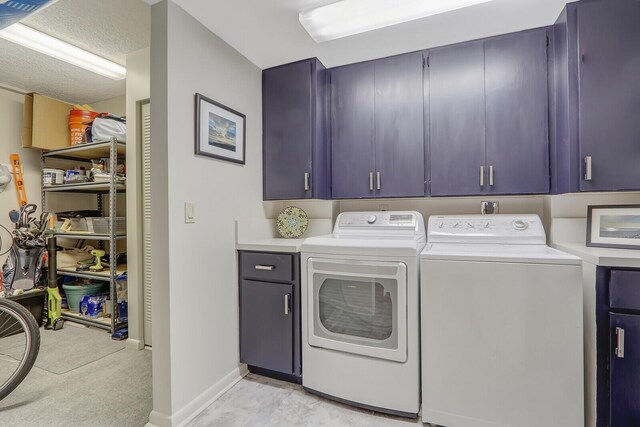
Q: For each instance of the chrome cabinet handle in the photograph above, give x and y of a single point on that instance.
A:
(481, 176)
(265, 267)
(619, 352)
(378, 180)
(287, 303)
(371, 181)
(306, 181)
(587, 168)
(491, 175)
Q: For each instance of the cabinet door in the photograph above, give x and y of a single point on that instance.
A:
(517, 113)
(352, 111)
(287, 127)
(399, 129)
(625, 370)
(266, 328)
(609, 107)
(457, 119)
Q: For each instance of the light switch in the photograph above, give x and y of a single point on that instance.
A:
(189, 212)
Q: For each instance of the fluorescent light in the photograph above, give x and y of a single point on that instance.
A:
(43, 43)
(349, 17)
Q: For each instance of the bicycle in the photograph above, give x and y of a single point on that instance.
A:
(20, 341)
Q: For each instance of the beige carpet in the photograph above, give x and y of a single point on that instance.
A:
(67, 349)
(114, 390)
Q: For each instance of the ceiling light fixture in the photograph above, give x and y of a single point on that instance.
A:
(43, 43)
(349, 17)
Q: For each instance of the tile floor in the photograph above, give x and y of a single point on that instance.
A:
(260, 401)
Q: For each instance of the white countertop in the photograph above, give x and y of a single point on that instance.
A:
(604, 257)
(270, 245)
(260, 235)
(569, 235)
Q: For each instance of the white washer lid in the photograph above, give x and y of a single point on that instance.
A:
(530, 254)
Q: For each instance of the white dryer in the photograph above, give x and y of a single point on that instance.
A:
(501, 325)
(360, 311)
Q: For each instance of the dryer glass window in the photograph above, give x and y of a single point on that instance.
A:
(356, 308)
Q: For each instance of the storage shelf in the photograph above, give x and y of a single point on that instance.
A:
(104, 275)
(89, 236)
(93, 150)
(113, 150)
(83, 187)
(101, 322)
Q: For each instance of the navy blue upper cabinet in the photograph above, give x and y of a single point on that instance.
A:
(399, 131)
(296, 150)
(457, 119)
(596, 145)
(517, 113)
(377, 128)
(352, 115)
(489, 116)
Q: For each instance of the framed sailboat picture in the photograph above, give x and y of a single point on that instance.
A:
(616, 226)
(220, 131)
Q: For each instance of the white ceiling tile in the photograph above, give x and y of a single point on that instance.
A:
(110, 29)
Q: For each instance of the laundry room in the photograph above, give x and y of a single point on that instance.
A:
(71, 74)
(320, 213)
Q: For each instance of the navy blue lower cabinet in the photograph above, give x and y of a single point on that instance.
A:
(267, 325)
(270, 314)
(618, 347)
(625, 370)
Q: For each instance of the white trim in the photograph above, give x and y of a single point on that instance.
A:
(200, 403)
(133, 344)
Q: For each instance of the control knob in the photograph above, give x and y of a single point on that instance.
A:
(372, 219)
(520, 225)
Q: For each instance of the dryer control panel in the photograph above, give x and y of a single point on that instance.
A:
(509, 229)
(380, 223)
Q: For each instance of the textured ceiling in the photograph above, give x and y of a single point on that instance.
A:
(110, 29)
(268, 32)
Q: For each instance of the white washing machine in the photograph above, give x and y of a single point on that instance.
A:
(360, 311)
(501, 325)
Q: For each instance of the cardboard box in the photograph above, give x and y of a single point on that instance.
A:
(45, 123)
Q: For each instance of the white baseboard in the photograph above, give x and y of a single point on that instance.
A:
(199, 404)
(134, 345)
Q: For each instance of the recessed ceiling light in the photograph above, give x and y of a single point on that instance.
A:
(43, 43)
(349, 17)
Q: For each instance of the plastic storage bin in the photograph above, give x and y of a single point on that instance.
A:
(75, 293)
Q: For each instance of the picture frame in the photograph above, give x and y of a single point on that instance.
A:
(220, 132)
(613, 226)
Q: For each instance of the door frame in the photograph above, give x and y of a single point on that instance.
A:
(135, 243)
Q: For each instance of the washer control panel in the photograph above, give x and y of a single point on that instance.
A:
(525, 229)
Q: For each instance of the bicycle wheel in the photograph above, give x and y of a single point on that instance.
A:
(19, 345)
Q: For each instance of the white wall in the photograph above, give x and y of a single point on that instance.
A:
(11, 106)
(547, 207)
(195, 303)
(138, 89)
(116, 106)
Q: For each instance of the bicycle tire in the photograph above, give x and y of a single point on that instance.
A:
(32, 331)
